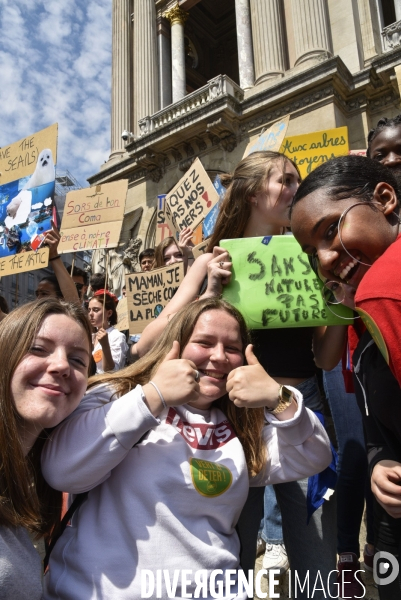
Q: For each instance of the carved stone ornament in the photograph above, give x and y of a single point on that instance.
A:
(228, 141)
(176, 15)
(392, 35)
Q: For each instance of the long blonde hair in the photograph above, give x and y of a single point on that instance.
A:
(247, 422)
(248, 178)
(25, 498)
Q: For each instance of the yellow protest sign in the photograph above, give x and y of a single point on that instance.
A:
(93, 217)
(270, 139)
(27, 181)
(24, 261)
(191, 199)
(149, 292)
(19, 159)
(310, 150)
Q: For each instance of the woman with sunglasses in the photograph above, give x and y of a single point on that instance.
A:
(345, 214)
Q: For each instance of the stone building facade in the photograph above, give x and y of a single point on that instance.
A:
(200, 78)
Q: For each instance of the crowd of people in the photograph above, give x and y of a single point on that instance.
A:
(193, 451)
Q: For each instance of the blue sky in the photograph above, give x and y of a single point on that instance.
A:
(55, 66)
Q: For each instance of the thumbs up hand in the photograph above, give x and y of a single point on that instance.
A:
(174, 352)
(250, 386)
(177, 380)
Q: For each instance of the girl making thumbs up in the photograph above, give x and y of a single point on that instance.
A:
(166, 457)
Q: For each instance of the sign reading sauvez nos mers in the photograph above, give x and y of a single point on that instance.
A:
(191, 199)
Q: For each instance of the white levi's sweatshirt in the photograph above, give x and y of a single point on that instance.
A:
(165, 494)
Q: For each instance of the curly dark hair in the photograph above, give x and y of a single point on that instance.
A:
(381, 124)
(347, 177)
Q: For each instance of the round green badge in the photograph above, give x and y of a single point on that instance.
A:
(210, 479)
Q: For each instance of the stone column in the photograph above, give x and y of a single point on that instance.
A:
(121, 75)
(310, 30)
(146, 93)
(397, 6)
(164, 54)
(177, 18)
(244, 41)
(268, 39)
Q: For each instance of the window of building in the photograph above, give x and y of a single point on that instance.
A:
(210, 43)
(388, 12)
(390, 23)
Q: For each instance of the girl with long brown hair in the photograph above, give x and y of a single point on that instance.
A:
(45, 349)
(170, 250)
(109, 345)
(257, 201)
(166, 454)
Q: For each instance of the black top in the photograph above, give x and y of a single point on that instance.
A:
(285, 352)
(383, 399)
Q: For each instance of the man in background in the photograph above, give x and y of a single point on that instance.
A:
(147, 259)
(80, 278)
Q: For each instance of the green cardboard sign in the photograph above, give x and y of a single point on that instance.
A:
(274, 286)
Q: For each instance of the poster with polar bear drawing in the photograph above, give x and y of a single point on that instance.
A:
(27, 183)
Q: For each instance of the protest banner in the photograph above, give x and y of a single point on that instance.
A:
(24, 261)
(122, 315)
(93, 217)
(191, 199)
(310, 150)
(149, 292)
(163, 230)
(270, 139)
(200, 249)
(27, 181)
(274, 286)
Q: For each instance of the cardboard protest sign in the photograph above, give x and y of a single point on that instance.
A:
(191, 199)
(274, 286)
(149, 292)
(310, 150)
(122, 315)
(20, 159)
(27, 181)
(93, 217)
(163, 230)
(200, 249)
(24, 261)
(270, 139)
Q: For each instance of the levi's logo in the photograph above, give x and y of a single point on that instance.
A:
(200, 435)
